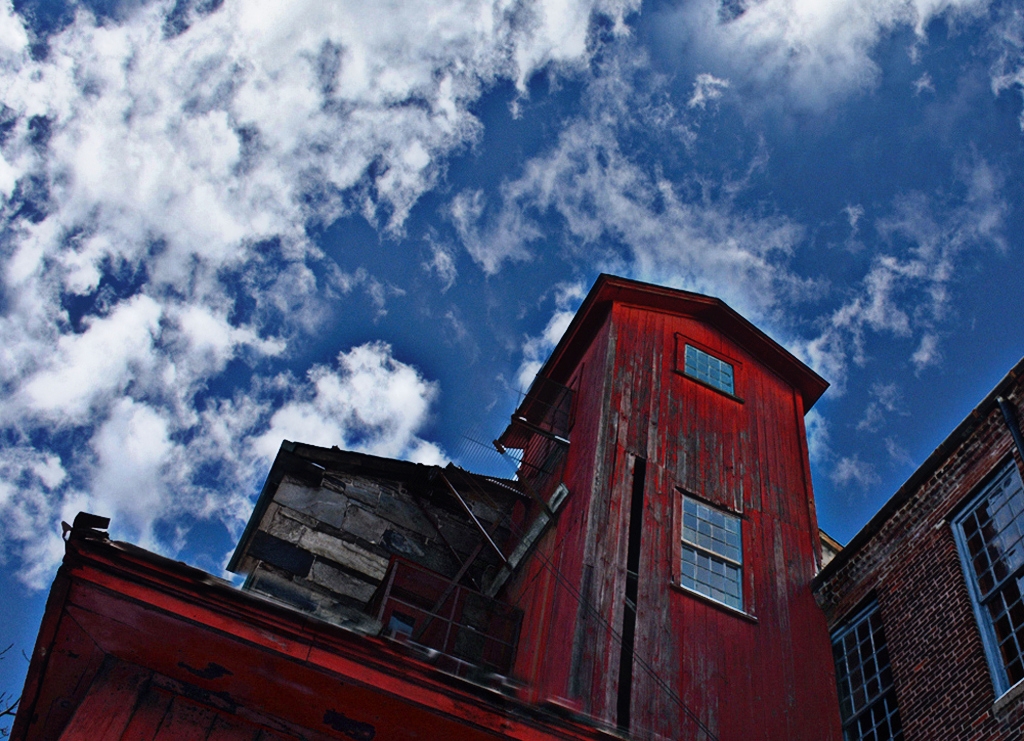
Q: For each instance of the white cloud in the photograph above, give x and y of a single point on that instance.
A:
(372, 403)
(897, 453)
(1008, 41)
(850, 471)
(129, 479)
(503, 237)
(214, 337)
(808, 51)
(171, 177)
(98, 362)
(442, 264)
(908, 289)
(620, 215)
(927, 353)
(706, 88)
(818, 448)
(854, 213)
(923, 84)
(886, 399)
(536, 349)
(29, 480)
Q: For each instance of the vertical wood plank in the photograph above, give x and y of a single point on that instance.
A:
(107, 707)
(148, 715)
(186, 721)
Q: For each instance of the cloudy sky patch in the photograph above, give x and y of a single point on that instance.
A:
(228, 224)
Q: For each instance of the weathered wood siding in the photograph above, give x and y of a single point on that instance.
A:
(754, 676)
(323, 542)
(545, 585)
(136, 646)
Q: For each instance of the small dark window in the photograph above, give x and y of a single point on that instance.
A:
(712, 553)
(867, 696)
(400, 625)
(709, 369)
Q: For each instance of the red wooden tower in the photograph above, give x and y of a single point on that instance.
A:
(672, 595)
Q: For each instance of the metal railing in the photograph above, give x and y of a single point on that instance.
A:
(469, 631)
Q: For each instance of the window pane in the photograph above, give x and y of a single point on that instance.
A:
(711, 577)
(989, 533)
(712, 553)
(709, 369)
(992, 532)
(867, 697)
(712, 530)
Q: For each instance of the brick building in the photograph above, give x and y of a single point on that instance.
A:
(924, 603)
(646, 574)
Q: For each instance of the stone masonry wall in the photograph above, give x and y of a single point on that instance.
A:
(325, 549)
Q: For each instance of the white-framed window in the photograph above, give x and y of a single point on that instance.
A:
(709, 369)
(712, 553)
(867, 693)
(990, 538)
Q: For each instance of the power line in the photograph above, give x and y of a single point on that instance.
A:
(566, 584)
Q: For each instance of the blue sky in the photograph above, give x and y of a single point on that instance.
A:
(225, 223)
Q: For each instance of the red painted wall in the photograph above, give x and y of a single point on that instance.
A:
(136, 646)
(764, 675)
(544, 584)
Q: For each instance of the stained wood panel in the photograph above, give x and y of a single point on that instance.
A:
(740, 675)
(148, 716)
(106, 709)
(74, 661)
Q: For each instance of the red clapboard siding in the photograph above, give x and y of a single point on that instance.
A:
(744, 676)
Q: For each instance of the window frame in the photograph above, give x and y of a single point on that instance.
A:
(858, 617)
(1007, 468)
(682, 342)
(682, 543)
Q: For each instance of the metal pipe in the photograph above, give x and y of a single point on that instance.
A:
(1010, 417)
(523, 421)
(479, 525)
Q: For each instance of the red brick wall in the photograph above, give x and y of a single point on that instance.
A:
(912, 568)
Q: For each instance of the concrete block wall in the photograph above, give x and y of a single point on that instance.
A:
(911, 566)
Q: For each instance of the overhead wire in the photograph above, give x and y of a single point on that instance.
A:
(616, 636)
(589, 609)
